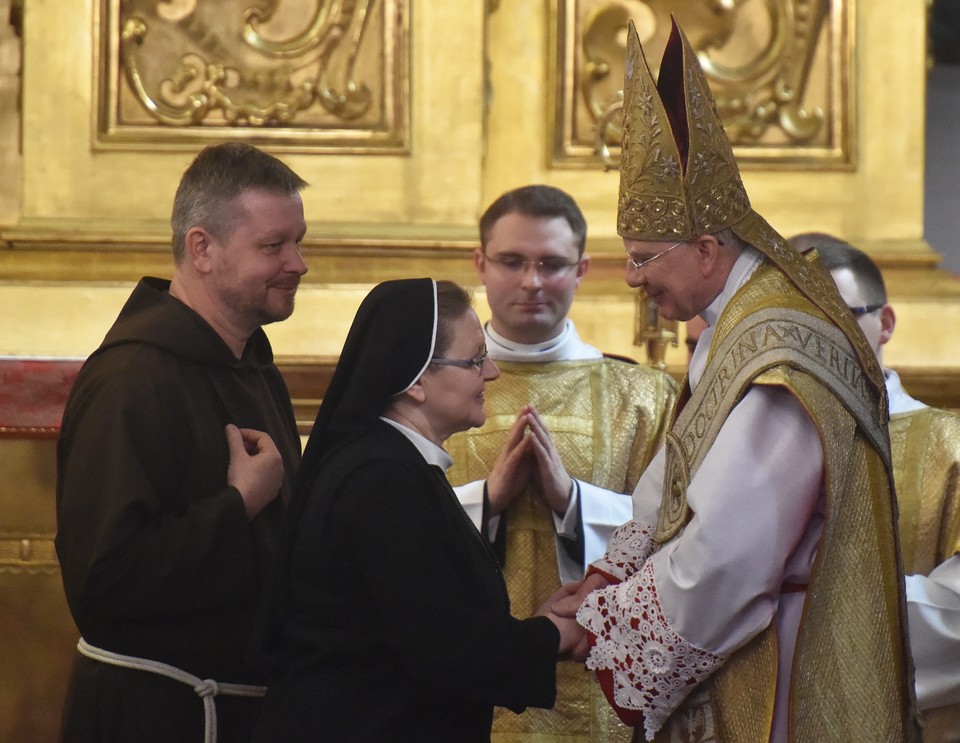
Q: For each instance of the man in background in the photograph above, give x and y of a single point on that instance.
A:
(177, 440)
(568, 433)
(925, 446)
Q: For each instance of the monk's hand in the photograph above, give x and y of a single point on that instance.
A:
(255, 468)
(551, 476)
(512, 468)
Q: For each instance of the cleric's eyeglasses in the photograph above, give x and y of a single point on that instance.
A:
(637, 265)
(463, 363)
(866, 309)
(546, 268)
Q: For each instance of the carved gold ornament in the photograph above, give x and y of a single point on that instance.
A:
(327, 74)
(779, 70)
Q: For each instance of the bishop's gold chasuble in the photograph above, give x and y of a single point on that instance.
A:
(851, 677)
(606, 417)
(787, 326)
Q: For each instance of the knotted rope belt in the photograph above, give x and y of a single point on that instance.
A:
(206, 689)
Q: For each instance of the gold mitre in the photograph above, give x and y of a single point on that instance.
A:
(679, 179)
(678, 175)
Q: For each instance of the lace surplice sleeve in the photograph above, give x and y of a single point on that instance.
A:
(644, 666)
(631, 545)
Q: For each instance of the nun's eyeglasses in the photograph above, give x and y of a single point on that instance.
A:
(463, 363)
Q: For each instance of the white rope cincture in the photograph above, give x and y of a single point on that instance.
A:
(206, 689)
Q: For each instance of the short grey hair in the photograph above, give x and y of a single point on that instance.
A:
(209, 187)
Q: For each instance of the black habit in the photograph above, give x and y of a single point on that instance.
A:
(390, 619)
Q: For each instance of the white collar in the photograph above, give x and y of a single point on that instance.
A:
(567, 346)
(899, 400)
(747, 262)
(432, 453)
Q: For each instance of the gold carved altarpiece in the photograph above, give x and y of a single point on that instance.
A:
(780, 73)
(408, 119)
(328, 78)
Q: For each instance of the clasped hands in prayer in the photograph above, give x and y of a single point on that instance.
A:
(561, 609)
(529, 454)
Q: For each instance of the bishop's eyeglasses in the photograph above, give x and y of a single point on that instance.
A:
(637, 265)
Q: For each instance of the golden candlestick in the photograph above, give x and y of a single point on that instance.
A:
(651, 331)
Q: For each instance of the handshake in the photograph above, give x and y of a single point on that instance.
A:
(561, 609)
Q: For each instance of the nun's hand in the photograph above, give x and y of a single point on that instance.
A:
(550, 474)
(572, 638)
(512, 468)
(571, 634)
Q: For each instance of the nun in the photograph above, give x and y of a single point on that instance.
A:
(390, 619)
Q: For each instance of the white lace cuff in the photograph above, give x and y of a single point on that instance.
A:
(653, 668)
(629, 548)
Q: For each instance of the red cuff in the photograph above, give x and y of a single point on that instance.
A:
(631, 717)
(611, 579)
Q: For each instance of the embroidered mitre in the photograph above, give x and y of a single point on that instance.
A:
(678, 175)
(679, 179)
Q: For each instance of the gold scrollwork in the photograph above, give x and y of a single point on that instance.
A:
(604, 123)
(256, 64)
(211, 94)
(760, 56)
(768, 90)
(333, 24)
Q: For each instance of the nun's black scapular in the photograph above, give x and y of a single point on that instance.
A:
(389, 620)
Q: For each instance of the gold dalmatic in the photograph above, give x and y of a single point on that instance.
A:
(679, 179)
(926, 466)
(606, 419)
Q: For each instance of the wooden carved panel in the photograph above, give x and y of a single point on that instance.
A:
(299, 75)
(780, 70)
